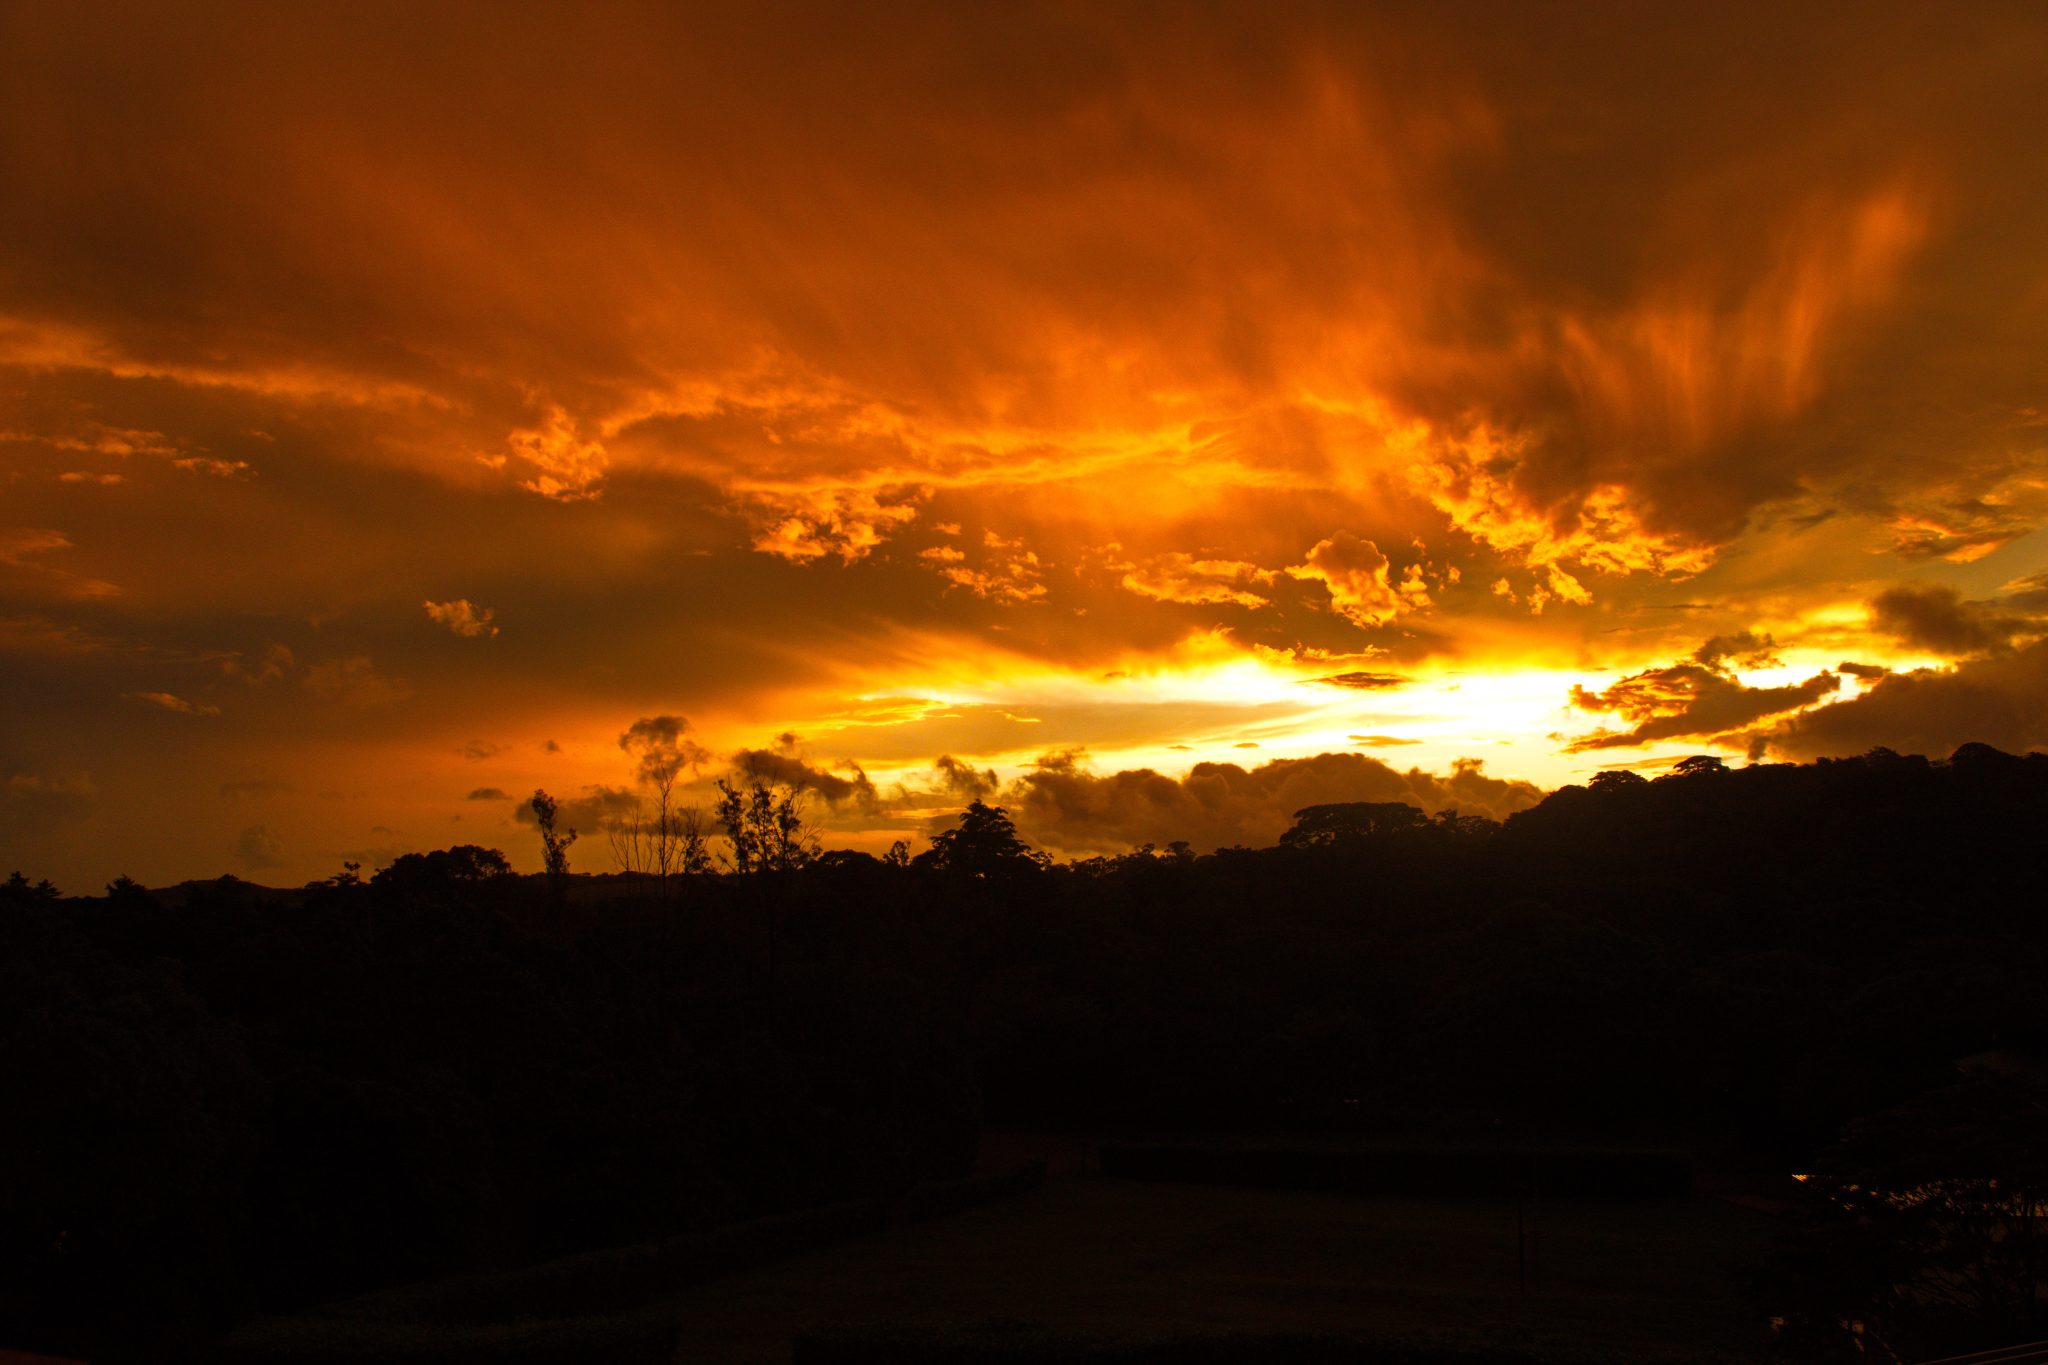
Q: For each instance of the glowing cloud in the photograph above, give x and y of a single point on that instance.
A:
(167, 702)
(462, 617)
(1357, 576)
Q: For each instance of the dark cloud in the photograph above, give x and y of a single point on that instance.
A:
(784, 764)
(589, 810)
(1934, 617)
(654, 732)
(1689, 699)
(1381, 741)
(2000, 700)
(488, 794)
(1966, 528)
(662, 748)
(1744, 649)
(1361, 681)
(1061, 805)
(2029, 594)
(963, 780)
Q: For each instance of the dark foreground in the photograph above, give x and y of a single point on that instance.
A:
(229, 1103)
(1109, 1263)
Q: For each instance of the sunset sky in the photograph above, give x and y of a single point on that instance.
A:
(1155, 418)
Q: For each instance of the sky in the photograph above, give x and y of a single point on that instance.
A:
(1151, 418)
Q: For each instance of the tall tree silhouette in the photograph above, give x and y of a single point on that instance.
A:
(659, 836)
(554, 845)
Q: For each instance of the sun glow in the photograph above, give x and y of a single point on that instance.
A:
(1212, 701)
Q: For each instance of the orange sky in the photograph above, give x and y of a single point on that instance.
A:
(1156, 417)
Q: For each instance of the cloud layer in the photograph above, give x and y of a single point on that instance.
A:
(945, 380)
(1061, 804)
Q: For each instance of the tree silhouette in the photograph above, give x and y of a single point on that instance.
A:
(1464, 826)
(658, 836)
(20, 891)
(1344, 821)
(664, 840)
(443, 870)
(343, 886)
(554, 846)
(692, 830)
(984, 847)
(126, 891)
(765, 824)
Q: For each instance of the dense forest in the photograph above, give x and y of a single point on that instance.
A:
(226, 1099)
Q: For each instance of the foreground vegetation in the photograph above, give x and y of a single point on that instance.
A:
(229, 1101)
